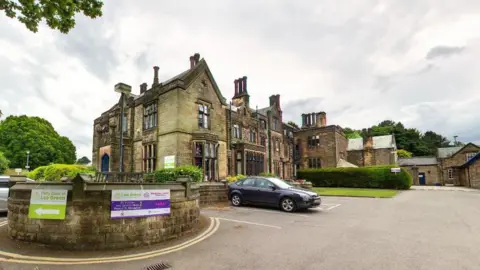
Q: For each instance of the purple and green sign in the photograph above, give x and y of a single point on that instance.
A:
(140, 203)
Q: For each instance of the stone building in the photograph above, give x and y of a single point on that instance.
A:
(451, 160)
(318, 145)
(372, 151)
(182, 118)
(424, 170)
(469, 172)
(257, 138)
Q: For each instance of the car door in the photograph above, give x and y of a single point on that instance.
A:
(3, 196)
(265, 192)
(247, 189)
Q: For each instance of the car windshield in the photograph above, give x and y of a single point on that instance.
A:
(279, 183)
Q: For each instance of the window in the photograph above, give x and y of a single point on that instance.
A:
(263, 124)
(254, 163)
(124, 123)
(205, 157)
(277, 145)
(239, 163)
(275, 124)
(313, 141)
(314, 163)
(149, 158)
(203, 116)
(236, 132)
(3, 184)
(253, 136)
(263, 183)
(450, 173)
(150, 116)
(248, 182)
(470, 155)
(263, 141)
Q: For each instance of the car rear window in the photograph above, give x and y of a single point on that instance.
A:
(3, 184)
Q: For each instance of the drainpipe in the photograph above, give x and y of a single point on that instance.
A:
(269, 134)
(122, 115)
(232, 160)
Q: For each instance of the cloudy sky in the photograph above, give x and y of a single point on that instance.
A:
(360, 61)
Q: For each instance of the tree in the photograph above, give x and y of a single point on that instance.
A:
(4, 163)
(404, 153)
(19, 134)
(351, 134)
(83, 160)
(58, 14)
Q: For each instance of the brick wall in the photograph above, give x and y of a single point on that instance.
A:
(88, 225)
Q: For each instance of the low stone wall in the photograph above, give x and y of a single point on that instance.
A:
(213, 193)
(88, 224)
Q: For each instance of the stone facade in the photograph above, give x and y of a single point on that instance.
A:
(469, 173)
(372, 151)
(88, 225)
(450, 162)
(430, 172)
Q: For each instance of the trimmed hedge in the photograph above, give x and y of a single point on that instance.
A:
(363, 177)
(231, 179)
(55, 172)
(167, 175)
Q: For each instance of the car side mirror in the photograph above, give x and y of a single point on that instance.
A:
(273, 187)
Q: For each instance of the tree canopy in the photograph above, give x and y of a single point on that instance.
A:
(83, 160)
(19, 134)
(59, 15)
(4, 163)
(408, 139)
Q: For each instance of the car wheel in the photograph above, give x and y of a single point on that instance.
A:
(236, 200)
(288, 205)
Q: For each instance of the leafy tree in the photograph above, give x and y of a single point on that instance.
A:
(58, 14)
(293, 124)
(83, 160)
(404, 153)
(4, 163)
(351, 134)
(19, 134)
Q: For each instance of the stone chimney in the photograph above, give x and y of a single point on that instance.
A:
(275, 99)
(240, 86)
(192, 62)
(143, 88)
(244, 84)
(368, 142)
(318, 121)
(236, 88)
(196, 58)
(304, 118)
(322, 116)
(155, 75)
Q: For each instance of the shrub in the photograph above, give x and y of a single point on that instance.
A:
(231, 179)
(4, 163)
(55, 172)
(171, 174)
(364, 177)
(267, 174)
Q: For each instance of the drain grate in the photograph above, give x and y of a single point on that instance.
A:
(158, 266)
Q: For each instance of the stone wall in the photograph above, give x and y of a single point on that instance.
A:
(454, 161)
(88, 225)
(213, 193)
(432, 174)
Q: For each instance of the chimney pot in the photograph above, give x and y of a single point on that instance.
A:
(303, 120)
(323, 119)
(192, 62)
(236, 87)
(196, 58)
(155, 75)
(143, 88)
(240, 85)
(244, 84)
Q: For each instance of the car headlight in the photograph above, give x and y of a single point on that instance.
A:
(305, 197)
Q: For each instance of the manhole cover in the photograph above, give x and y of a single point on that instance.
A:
(158, 266)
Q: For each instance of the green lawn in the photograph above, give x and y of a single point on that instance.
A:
(357, 192)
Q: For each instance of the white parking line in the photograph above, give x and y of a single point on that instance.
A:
(248, 222)
(331, 206)
(275, 212)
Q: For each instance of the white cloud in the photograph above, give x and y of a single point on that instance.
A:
(361, 62)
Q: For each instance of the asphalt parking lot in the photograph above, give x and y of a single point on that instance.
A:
(415, 230)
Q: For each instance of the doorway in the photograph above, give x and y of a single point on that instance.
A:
(421, 178)
(105, 163)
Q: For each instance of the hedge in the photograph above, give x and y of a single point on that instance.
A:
(166, 175)
(362, 177)
(55, 172)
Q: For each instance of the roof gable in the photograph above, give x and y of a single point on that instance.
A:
(446, 152)
(202, 66)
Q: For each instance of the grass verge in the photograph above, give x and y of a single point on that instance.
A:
(357, 192)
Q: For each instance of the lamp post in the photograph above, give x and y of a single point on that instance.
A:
(28, 159)
(124, 90)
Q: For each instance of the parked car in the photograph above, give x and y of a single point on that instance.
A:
(3, 194)
(269, 191)
(4, 188)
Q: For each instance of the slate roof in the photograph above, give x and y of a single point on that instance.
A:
(445, 152)
(263, 111)
(417, 161)
(471, 161)
(379, 142)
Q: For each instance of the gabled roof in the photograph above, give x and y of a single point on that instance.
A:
(471, 161)
(446, 152)
(263, 111)
(379, 142)
(417, 161)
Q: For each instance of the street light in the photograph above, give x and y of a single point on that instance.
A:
(124, 90)
(28, 159)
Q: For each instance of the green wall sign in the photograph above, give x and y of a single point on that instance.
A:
(48, 204)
